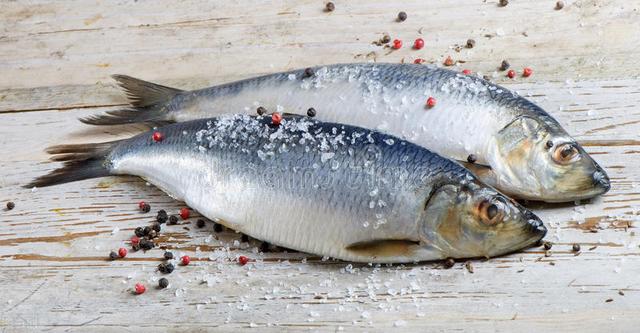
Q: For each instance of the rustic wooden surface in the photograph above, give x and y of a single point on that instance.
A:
(55, 62)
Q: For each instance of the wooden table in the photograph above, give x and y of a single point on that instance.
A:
(55, 62)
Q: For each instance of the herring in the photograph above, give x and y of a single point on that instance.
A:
(520, 149)
(324, 188)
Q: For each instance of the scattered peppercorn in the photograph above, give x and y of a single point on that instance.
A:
(173, 219)
(242, 260)
(418, 44)
(217, 227)
(419, 61)
(526, 72)
(386, 39)
(166, 268)
(139, 232)
(244, 238)
(471, 43)
(135, 246)
(511, 74)
(200, 223)
(449, 263)
(466, 71)
(486, 77)
(308, 72)
(504, 65)
(264, 247)
(311, 112)
(184, 213)
(156, 227)
(402, 16)
(146, 231)
(330, 7)
(448, 61)
(140, 288)
(157, 136)
(397, 44)
(503, 3)
(163, 283)
(113, 255)
(185, 260)
(146, 244)
(469, 266)
(576, 247)
(11, 205)
(559, 5)
(261, 110)
(141, 204)
(152, 234)
(162, 216)
(168, 255)
(431, 102)
(122, 252)
(276, 118)
(472, 158)
(547, 246)
(135, 240)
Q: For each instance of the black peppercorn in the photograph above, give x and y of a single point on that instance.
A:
(146, 244)
(504, 65)
(576, 248)
(402, 16)
(139, 232)
(146, 230)
(386, 39)
(471, 43)
(503, 3)
(162, 216)
(244, 238)
(472, 158)
(173, 219)
(559, 5)
(308, 72)
(145, 208)
(156, 227)
(168, 255)
(200, 223)
(217, 227)
(10, 205)
(330, 7)
(166, 268)
(163, 283)
(265, 247)
(113, 255)
(311, 112)
(449, 263)
(261, 110)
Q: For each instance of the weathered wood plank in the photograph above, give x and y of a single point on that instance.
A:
(55, 58)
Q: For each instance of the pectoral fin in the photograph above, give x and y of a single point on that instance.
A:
(483, 172)
(381, 248)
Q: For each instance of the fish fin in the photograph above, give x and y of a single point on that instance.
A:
(381, 248)
(81, 161)
(483, 172)
(143, 93)
(147, 100)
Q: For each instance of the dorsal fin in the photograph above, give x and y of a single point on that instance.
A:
(143, 93)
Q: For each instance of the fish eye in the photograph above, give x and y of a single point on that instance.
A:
(491, 211)
(565, 153)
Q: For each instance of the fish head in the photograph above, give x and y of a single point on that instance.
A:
(537, 160)
(471, 219)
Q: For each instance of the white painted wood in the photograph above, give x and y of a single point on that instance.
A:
(55, 59)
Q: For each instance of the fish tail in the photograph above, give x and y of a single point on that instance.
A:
(147, 101)
(81, 161)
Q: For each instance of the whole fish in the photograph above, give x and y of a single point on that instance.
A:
(324, 188)
(514, 145)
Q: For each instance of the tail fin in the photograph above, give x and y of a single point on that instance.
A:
(147, 100)
(82, 161)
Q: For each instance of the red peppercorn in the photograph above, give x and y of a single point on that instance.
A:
(122, 252)
(418, 44)
(466, 71)
(396, 44)
(141, 204)
(185, 260)
(184, 213)
(527, 72)
(135, 240)
(431, 102)
(511, 74)
(419, 61)
(276, 118)
(140, 288)
(243, 260)
(157, 136)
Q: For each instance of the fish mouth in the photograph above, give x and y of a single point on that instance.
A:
(535, 227)
(601, 181)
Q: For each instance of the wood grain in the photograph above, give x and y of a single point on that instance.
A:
(56, 58)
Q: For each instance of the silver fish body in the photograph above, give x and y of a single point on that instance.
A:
(324, 188)
(502, 130)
